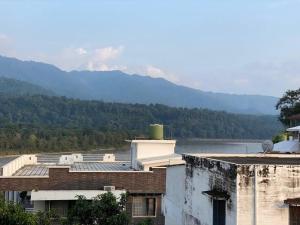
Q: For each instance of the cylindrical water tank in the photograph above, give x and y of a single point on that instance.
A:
(156, 131)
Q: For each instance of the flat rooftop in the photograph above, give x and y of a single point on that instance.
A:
(259, 160)
(250, 159)
(43, 169)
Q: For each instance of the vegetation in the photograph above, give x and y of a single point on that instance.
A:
(289, 104)
(146, 222)
(44, 123)
(14, 214)
(104, 209)
(279, 138)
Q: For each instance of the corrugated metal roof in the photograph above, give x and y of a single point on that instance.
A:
(5, 160)
(100, 166)
(32, 170)
(43, 169)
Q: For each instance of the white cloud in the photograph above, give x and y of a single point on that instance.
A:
(104, 67)
(6, 47)
(82, 58)
(100, 59)
(107, 53)
(154, 71)
(3, 37)
(81, 51)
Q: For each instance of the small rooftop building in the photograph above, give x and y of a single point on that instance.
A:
(247, 189)
(294, 120)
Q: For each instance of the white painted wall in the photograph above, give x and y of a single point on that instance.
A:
(10, 168)
(141, 149)
(185, 203)
(39, 206)
(70, 159)
(109, 158)
(173, 200)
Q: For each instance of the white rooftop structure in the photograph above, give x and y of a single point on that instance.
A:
(287, 146)
(47, 195)
(294, 129)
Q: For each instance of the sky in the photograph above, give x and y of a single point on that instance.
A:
(232, 46)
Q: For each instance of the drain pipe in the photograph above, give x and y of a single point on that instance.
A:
(255, 196)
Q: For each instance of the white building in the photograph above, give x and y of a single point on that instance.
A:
(245, 189)
(292, 144)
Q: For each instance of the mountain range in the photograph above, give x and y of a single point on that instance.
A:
(117, 86)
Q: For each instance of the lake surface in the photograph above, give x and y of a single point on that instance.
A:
(218, 146)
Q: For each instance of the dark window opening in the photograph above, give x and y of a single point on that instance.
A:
(219, 212)
(294, 215)
(143, 206)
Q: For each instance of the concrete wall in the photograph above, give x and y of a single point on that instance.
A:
(141, 149)
(70, 159)
(265, 193)
(205, 175)
(185, 202)
(174, 198)
(11, 167)
(39, 206)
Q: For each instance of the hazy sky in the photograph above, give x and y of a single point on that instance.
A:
(234, 46)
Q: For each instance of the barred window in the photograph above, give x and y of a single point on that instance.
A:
(143, 206)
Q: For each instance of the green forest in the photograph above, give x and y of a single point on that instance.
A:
(45, 123)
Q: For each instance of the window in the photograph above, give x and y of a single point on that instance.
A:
(143, 206)
(219, 212)
(294, 215)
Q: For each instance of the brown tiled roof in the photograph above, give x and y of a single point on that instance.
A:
(294, 117)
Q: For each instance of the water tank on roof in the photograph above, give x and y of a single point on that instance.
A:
(156, 131)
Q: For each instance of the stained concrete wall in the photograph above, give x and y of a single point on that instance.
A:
(185, 199)
(257, 192)
(265, 193)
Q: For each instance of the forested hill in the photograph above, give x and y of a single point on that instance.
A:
(15, 87)
(116, 86)
(43, 123)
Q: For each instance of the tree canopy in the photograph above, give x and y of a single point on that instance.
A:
(14, 214)
(105, 209)
(43, 123)
(288, 104)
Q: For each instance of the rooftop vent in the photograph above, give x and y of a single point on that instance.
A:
(109, 158)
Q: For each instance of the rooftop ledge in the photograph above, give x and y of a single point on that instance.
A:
(153, 141)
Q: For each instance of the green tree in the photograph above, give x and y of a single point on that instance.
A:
(288, 104)
(146, 222)
(279, 138)
(14, 214)
(105, 209)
